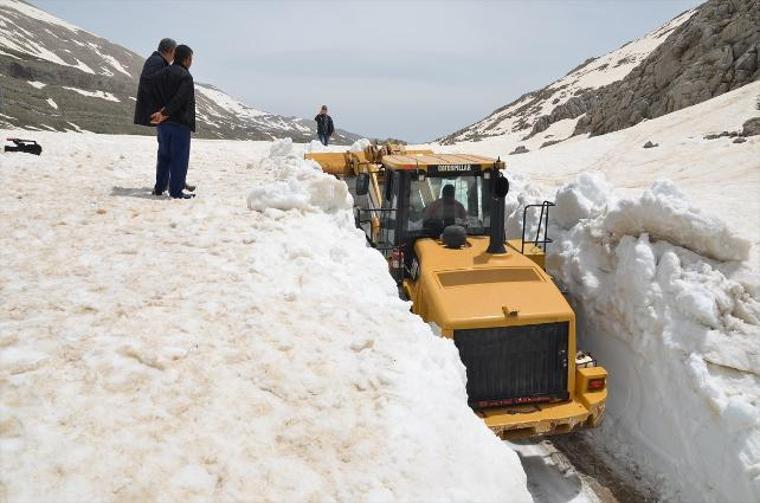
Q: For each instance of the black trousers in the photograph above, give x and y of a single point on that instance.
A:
(173, 158)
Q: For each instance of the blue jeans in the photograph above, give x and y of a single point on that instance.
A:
(324, 138)
(173, 158)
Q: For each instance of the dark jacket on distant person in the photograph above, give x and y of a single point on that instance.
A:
(175, 93)
(145, 104)
(324, 125)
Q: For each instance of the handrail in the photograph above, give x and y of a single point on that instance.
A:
(543, 221)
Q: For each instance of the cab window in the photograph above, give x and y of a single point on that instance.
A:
(437, 202)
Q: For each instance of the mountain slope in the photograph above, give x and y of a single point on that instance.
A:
(700, 54)
(57, 76)
(565, 98)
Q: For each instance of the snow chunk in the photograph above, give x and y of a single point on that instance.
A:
(35, 84)
(360, 144)
(52, 103)
(580, 200)
(298, 184)
(663, 212)
(316, 146)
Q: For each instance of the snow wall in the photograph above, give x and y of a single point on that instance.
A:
(328, 389)
(667, 303)
(378, 412)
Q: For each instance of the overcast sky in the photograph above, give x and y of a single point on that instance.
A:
(413, 70)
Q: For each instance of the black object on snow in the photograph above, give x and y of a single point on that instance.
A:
(27, 146)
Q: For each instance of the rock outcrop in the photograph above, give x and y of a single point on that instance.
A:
(751, 127)
(574, 107)
(715, 51)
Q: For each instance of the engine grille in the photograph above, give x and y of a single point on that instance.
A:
(512, 365)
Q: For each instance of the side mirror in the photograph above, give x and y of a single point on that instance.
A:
(362, 184)
(500, 186)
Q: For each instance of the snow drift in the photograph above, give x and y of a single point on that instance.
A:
(196, 351)
(666, 305)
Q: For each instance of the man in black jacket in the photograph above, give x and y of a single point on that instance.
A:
(175, 95)
(325, 127)
(160, 59)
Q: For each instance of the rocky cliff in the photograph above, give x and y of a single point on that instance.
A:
(716, 50)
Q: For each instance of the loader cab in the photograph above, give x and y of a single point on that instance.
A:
(424, 193)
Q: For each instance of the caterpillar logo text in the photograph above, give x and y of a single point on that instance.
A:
(453, 168)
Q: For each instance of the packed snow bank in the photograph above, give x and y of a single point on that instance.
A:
(300, 184)
(197, 350)
(384, 395)
(665, 306)
(662, 211)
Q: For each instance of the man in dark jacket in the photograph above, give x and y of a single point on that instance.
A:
(175, 95)
(160, 59)
(325, 127)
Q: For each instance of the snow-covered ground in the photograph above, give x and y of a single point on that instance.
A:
(200, 350)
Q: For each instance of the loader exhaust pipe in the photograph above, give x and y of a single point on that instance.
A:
(499, 190)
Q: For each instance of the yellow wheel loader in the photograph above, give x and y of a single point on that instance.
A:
(439, 221)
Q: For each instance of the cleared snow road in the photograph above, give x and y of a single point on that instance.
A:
(567, 469)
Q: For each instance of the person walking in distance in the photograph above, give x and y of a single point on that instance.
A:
(325, 127)
(145, 103)
(175, 92)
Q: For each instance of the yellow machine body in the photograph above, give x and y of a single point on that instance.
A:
(469, 290)
(351, 163)
(472, 289)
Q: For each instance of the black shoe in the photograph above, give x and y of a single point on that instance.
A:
(182, 195)
(155, 192)
(189, 188)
